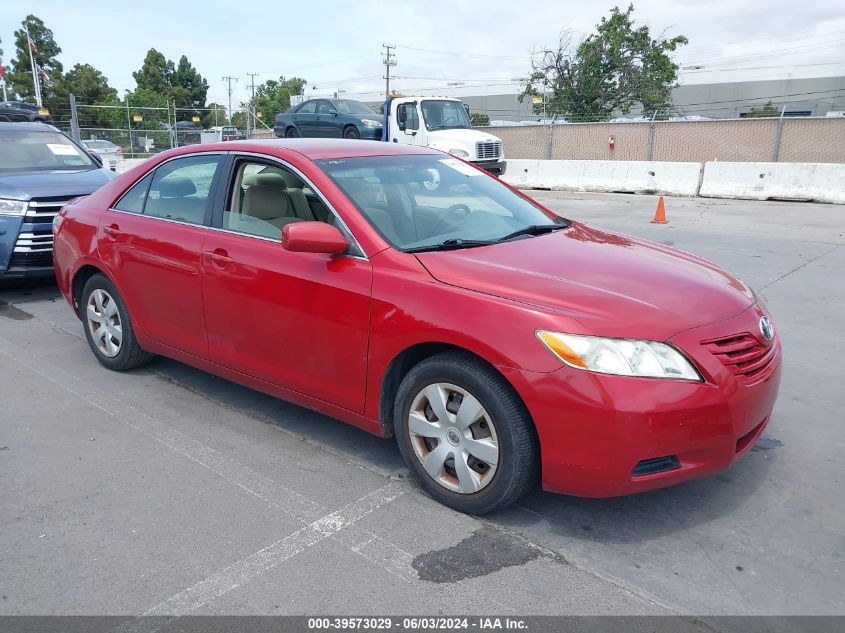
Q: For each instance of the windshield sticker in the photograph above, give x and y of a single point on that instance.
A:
(461, 167)
(60, 149)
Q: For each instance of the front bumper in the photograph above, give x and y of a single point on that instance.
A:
(495, 167)
(595, 429)
(369, 133)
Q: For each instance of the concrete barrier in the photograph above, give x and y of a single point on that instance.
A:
(679, 179)
(818, 182)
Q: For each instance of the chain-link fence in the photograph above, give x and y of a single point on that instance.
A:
(805, 140)
(140, 131)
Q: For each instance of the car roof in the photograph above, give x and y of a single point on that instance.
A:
(27, 125)
(319, 149)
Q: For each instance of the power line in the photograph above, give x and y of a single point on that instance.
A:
(389, 60)
(252, 77)
(228, 80)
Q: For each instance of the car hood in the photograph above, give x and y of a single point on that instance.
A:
(24, 185)
(614, 285)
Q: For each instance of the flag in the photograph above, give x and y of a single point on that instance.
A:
(2, 71)
(32, 44)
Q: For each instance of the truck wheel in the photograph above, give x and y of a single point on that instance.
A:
(292, 132)
(465, 434)
(108, 328)
(351, 132)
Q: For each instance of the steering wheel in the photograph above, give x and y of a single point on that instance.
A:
(452, 216)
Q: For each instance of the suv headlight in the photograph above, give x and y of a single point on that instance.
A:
(621, 357)
(459, 152)
(13, 207)
(370, 122)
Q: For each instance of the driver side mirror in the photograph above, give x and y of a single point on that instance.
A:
(332, 111)
(313, 237)
(98, 160)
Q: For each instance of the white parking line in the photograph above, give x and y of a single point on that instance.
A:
(263, 560)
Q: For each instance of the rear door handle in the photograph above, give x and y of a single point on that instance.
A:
(218, 256)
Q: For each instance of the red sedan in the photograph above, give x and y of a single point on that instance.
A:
(406, 292)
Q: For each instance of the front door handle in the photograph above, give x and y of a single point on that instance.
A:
(113, 230)
(218, 256)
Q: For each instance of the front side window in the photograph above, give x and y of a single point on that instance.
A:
(37, 150)
(444, 115)
(180, 189)
(134, 199)
(417, 202)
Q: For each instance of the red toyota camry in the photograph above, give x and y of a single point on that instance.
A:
(406, 292)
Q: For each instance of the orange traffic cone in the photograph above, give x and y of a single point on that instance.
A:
(660, 214)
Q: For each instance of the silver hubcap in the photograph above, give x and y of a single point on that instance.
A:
(104, 323)
(454, 438)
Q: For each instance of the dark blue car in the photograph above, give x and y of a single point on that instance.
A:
(41, 169)
(330, 118)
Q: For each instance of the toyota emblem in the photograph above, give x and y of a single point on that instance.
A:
(766, 328)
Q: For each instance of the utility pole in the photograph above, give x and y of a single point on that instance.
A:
(252, 77)
(389, 60)
(228, 81)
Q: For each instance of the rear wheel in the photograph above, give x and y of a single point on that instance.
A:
(465, 434)
(292, 132)
(351, 132)
(108, 328)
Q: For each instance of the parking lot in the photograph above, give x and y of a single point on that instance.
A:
(168, 491)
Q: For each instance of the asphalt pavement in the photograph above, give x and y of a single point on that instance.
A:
(168, 491)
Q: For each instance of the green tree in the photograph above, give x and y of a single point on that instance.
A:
(188, 88)
(156, 73)
(611, 70)
(90, 87)
(767, 110)
(45, 52)
(273, 97)
(478, 118)
(215, 114)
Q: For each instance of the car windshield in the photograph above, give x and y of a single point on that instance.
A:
(444, 115)
(433, 202)
(36, 150)
(353, 107)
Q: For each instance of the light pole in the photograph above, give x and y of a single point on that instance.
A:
(129, 123)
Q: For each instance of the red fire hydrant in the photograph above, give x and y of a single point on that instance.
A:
(611, 143)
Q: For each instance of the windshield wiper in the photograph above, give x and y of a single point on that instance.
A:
(450, 245)
(534, 229)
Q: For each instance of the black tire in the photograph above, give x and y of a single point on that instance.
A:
(130, 355)
(351, 132)
(519, 454)
(292, 132)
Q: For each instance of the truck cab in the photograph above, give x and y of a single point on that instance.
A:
(441, 123)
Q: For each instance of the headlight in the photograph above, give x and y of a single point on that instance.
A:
(371, 122)
(622, 357)
(459, 152)
(13, 207)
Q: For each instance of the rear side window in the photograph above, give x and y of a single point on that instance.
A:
(307, 108)
(180, 189)
(133, 200)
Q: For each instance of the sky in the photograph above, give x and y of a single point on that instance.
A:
(456, 48)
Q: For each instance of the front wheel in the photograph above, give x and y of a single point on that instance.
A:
(351, 132)
(465, 434)
(108, 328)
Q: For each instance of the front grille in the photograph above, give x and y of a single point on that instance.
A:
(488, 150)
(743, 354)
(45, 209)
(31, 260)
(656, 465)
(40, 241)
